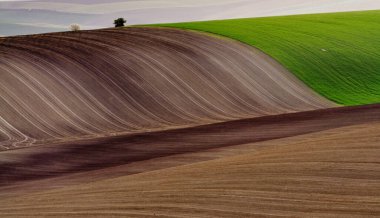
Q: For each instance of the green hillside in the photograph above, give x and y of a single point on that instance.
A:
(337, 54)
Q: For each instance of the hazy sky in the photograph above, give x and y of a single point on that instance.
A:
(24, 17)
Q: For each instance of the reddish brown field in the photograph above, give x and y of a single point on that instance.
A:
(38, 162)
(330, 169)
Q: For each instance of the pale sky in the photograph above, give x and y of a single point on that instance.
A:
(57, 15)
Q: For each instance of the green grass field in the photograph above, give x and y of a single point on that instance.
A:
(337, 54)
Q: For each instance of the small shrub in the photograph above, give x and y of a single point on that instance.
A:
(74, 27)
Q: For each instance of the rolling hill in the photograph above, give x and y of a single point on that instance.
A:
(66, 86)
(335, 54)
(172, 122)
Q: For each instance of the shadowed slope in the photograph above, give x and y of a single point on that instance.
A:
(334, 173)
(47, 161)
(93, 83)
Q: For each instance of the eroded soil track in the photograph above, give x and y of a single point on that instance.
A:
(49, 161)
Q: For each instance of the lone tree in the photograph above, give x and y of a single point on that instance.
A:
(119, 22)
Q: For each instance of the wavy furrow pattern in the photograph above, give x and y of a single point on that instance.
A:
(68, 85)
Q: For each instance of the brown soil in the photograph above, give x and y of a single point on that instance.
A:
(65, 86)
(332, 173)
(131, 151)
